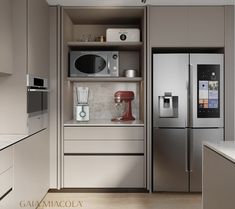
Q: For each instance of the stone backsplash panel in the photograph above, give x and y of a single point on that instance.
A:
(101, 98)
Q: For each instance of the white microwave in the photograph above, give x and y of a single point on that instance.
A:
(94, 63)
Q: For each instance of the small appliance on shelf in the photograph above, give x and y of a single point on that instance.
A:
(123, 35)
(122, 101)
(82, 108)
(94, 64)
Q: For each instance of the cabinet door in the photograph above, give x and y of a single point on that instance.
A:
(6, 25)
(218, 181)
(168, 26)
(38, 38)
(31, 170)
(104, 171)
(206, 26)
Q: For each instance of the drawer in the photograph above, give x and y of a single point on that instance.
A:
(6, 181)
(104, 172)
(6, 159)
(89, 146)
(104, 133)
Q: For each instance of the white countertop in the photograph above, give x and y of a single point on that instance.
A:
(104, 122)
(8, 140)
(224, 148)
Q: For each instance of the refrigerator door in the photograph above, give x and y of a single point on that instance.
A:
(206, 89)
(170, 160)
(197, 136)
(170, 87)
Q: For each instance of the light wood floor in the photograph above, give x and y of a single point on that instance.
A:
(122, 201)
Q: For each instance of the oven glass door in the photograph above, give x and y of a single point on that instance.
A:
(37, 100)
(90, 63)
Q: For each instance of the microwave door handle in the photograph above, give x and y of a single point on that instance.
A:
(108, 67)
(38, 90)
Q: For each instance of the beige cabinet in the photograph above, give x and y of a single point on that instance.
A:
(104, 171)
(206, 26)
(168, 26)
(218, 181)
(31, 171)
(6, 166)
(186, 26)
(104, 157)
(38, 38)
(6, 24)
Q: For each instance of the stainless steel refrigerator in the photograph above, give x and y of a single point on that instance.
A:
(187, 109)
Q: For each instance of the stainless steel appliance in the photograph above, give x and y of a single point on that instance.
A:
(37, 103)
(187, 109)
(94, 63)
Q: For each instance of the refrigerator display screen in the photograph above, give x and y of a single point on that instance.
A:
(208, 80)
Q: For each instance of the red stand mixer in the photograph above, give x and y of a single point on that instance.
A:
(125, 97)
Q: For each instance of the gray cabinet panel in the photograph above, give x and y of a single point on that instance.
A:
(38, 38)
(168, 26)
(206, 26)
(197, 136)
(104, 171)
(218, 181)
(170, 157)
(6, 25)
(199, 26)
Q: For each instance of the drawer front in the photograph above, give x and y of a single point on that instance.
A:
(103, 146)
(104, 133)
(104, 172)
(6, 159)
(6, 181)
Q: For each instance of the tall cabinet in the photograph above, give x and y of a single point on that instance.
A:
(101, 153)
(29, 37)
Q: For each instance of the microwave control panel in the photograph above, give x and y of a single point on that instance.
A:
(208, 91)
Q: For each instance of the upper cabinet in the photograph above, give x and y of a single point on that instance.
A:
(167, 26)
(6, 56)
(186, 26)
(38, 38)
(206, 26)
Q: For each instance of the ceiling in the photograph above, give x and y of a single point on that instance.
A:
(138, 2)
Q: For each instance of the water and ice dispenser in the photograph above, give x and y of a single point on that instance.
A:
(168, 106)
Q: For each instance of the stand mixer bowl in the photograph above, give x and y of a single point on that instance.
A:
(122, 101)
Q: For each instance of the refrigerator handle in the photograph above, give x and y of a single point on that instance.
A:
(190, 96)
(187, 153)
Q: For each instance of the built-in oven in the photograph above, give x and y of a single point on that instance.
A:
(37, 103)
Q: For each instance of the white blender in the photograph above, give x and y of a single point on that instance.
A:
(82, 108)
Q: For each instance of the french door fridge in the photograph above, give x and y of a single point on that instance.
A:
(187, 110)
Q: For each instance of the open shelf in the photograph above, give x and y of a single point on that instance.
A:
(109, 45)
(105, 79)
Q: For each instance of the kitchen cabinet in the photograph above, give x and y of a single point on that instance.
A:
(206, 26)
(104, 171)
(6, 40)
(26, 58)
(168, 26)
(6, 175)
(38, 38)
(218, 180)
(91, 157)
(186, 26)
(31, 171)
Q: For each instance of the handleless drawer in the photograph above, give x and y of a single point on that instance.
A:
(6, 182)
(6, 159)
(104, 172)
(104, 133)
(90, 146)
